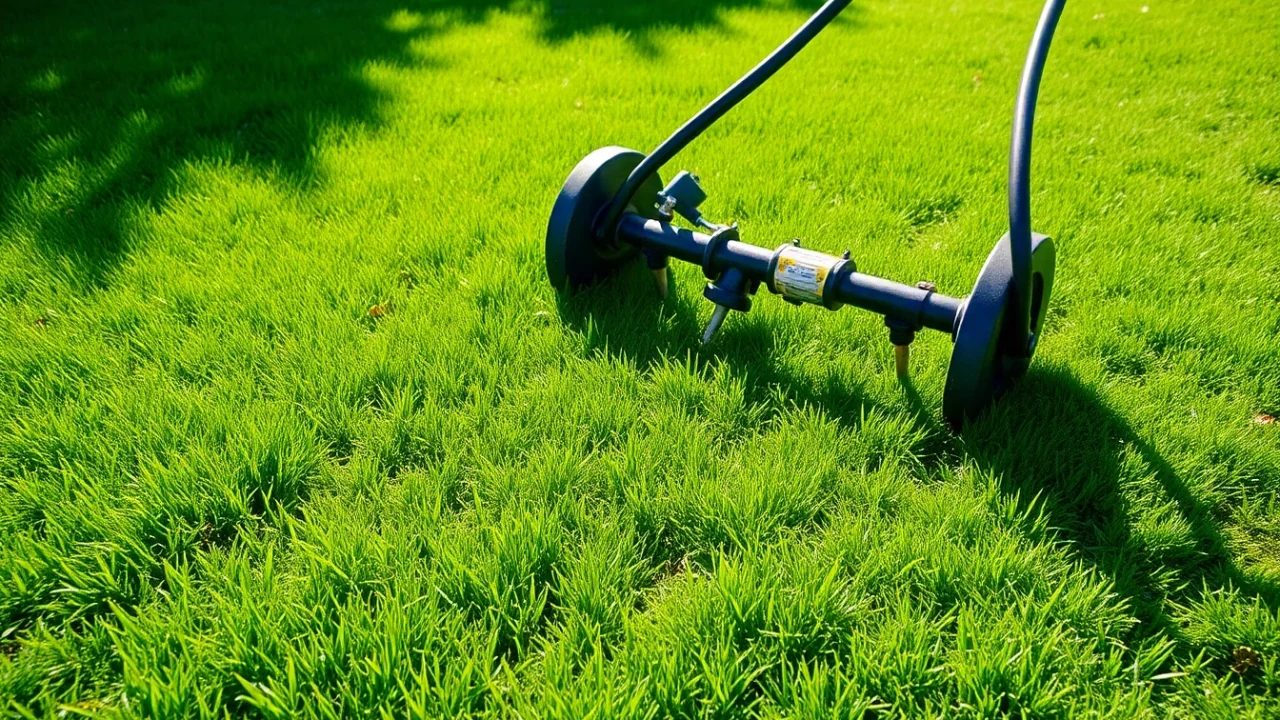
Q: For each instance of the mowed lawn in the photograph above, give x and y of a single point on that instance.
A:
(291, 422)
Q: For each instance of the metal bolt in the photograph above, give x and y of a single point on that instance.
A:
(926, 286)
(668, 205)
(796, 242)
(846, 255)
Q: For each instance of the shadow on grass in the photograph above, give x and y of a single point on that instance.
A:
(101, 104)
(624, 317)
(1057, 439)
(1053, 441)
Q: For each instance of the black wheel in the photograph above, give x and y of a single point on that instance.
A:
(575, 257)
(982, 364)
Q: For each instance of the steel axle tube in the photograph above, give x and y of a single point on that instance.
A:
(915, 306)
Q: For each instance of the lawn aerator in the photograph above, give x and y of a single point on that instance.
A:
(614, 207)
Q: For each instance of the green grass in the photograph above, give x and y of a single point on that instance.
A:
(226, 488)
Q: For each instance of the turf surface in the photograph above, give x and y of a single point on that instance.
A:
(291, 422)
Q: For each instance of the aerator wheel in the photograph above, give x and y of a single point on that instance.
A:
(982, 366)
(575, 257)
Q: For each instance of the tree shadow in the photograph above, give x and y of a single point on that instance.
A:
(103, 105)
(644, 22)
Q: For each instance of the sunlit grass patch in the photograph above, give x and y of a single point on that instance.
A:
(291, 423)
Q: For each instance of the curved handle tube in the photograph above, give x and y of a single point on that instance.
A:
(1020, 171)
(608, 223)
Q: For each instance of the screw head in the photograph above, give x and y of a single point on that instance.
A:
(926, 286)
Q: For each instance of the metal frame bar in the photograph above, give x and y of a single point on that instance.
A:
(714, 111)
(888, 298)
(912, 305)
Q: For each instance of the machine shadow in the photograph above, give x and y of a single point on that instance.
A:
(1056, 442)
(624, 318)
(103, 107)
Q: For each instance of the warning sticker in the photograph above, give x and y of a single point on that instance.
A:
(802, 274)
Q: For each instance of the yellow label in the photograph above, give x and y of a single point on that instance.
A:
(802, 274)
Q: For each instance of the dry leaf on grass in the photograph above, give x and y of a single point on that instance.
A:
(1244, 658)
